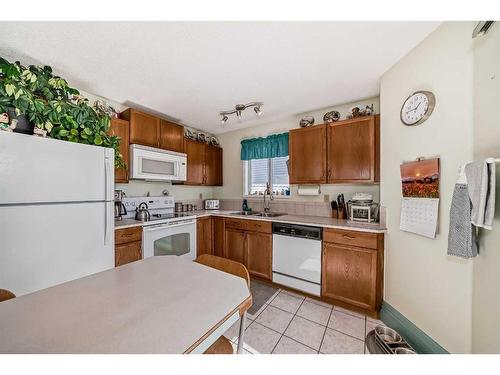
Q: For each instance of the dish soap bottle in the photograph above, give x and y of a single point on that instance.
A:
(244, 206)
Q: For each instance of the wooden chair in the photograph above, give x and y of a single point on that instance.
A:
(223, 345)
(5, 295)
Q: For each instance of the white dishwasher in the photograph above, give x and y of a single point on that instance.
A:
(297, 257)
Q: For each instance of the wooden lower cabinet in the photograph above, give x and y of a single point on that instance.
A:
(352, 275)
(235, 242)
(218, 232)
(128, 245)
(204, 236)
(127, 252)
(259, 254)
(250, 242)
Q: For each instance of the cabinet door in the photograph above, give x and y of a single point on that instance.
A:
(235, 243)
(171, 136)
(349, 274)
(127, 252)
(351, 151)
(195, 162)
(144, 128)
(259, 254)
(120, 128)
(218, 241)
(213, 166)
(204, 237)
(307, 162)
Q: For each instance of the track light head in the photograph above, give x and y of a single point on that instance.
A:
(224, 119)
(258, 110)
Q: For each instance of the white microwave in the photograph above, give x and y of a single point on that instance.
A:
(154, 164)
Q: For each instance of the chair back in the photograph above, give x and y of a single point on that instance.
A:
(225, 265)
(6, 294)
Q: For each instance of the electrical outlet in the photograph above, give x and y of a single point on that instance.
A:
(326, 198)
(201, 195)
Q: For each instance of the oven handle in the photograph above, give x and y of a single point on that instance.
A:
(151, 228)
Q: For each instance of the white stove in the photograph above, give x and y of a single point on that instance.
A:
(166, 232)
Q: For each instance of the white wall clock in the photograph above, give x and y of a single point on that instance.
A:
(417, 108)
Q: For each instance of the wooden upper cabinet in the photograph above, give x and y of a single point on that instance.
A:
(307, 147)
(144, 128)
(352, 150)
(120, 128)
(213, 166)
(259, 254)
(195, 162)
(171, 136)
(235, 243)
(204, 236)
(204, 163)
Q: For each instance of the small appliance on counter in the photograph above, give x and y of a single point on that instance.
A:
(212, 204)
(362, 208)
(120, 209)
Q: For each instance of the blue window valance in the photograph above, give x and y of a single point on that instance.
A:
(273, 146)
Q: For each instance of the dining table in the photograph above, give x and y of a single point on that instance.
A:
(161, 304)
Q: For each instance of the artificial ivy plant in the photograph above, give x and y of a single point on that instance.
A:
(50, 104)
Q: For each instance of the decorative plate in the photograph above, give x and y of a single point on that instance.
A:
(306, 121)
(331, 116)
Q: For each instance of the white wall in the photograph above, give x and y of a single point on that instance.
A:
(431, 289)
(233, 166)
(486, 291)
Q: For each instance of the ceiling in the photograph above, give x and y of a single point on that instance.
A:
(189, 71)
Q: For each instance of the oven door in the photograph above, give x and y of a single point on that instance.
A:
(176, 238)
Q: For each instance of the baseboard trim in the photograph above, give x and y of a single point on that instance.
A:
(417, 338)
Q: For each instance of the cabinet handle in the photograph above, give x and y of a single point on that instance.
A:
(329, 173)
(347, 237)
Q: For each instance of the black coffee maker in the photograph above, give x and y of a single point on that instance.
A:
(120, 209)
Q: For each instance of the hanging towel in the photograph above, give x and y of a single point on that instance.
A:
(481, 182)
(462, 235)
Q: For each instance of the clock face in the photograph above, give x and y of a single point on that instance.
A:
(417, 108)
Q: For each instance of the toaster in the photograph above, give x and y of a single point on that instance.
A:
(211, 204)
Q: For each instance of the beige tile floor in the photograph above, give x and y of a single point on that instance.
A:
(288, 323)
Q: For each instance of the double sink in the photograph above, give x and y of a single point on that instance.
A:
(258, 214)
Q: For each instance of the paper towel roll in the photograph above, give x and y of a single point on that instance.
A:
(309, 190)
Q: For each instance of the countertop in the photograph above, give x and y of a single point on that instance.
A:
(122, 310)
(320, 221)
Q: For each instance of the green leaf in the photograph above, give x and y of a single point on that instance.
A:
(98, 140)
(10, 89)
(48, 126)
(87, 131)
(63, 132)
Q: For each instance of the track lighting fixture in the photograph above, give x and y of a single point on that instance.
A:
(239, 108)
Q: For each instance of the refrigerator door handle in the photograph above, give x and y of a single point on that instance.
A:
(107, 175)
(107, 224)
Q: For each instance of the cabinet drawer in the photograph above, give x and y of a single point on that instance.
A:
(250, 225)
(353, 238)
(128, 235)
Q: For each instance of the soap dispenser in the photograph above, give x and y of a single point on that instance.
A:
(244, 206)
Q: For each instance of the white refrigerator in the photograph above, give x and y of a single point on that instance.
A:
(56, 211)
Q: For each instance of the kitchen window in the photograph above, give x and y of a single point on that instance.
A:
(258, 172)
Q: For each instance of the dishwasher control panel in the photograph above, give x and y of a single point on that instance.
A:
(301, 231)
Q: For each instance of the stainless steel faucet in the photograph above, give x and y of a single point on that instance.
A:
(267, 207)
